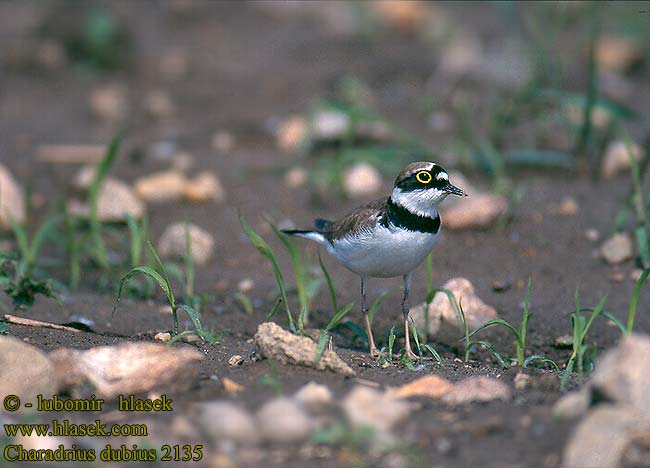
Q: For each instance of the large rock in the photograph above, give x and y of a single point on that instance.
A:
(25, 371)
(601, 439)
(173, 242)
(275, 343)
(441, 311)
(129, 368)
(12, 201)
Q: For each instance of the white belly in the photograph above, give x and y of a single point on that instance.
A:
(383, 253)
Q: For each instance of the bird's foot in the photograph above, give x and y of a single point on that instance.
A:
(374, 352)
(411, 355)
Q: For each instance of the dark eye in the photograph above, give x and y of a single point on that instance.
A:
(424, 177)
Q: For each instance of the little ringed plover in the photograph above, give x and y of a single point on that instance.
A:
(391, 236)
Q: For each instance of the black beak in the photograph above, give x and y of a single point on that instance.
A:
(453, 190)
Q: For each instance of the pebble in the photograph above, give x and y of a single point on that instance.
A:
(568, 206)
(235, 360)
(246, 285)
(521, 381)
(365, 406)
(163, 336)
(161, 186)
(159, 105)
(592, 235)
(292, 134)
(477, 389)
(405, 14)
(617, 249)
(476, 311)
(223, 420)
(173, 243)
(11, 199)
(230, 386)
(204, 187)
(617, 158)
(25, 370)
(283, 420)
(116, 199)
(313, 395)
(296, 177)
(109, 102)
(361, 180)
(431, 386)
(617, 53)
(328, 125)
(222, 141)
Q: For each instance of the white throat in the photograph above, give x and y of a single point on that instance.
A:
(421, 202)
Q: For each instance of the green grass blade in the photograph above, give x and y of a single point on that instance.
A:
(492, 322)
(20, 233)
(615, 320)
(596, 312)
(391, 342)
(330, 284)
(189, 264)
(339, 316)
(631, 314)
(135, 235)
(433, 352)
(494, 352)
(540, 358)
(375, 306)
(299, 271)
(150, 272)
(567, 372)
(460, 320)
(323, 339)
(41, 234)
(265, 249)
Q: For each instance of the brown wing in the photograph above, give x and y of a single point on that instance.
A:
(360, 219)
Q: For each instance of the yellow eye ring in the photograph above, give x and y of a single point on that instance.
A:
(424, 177)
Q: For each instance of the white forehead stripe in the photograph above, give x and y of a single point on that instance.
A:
(442, 176)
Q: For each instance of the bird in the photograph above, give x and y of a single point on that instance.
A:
(389, 237)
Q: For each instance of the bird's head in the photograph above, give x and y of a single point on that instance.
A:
(421, 186)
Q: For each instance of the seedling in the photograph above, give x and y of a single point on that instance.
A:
(99, 247)
(161, 277)
(265, 249)
(581, 325)
(519, 334)
(17, 273)
(634, 301)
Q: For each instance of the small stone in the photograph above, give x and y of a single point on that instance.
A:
(635, 274)
(592, 235)
(441, 310)
(365, 406)
(602, 437)
(617, 158)
(109, 102)
(617, 249)
(361, 180)
(173, 243)
(521, 381)
(600, 117)
(478, 211)
(191, 339)
(313, 395)
(161, 186)
(246, 285)
(462, 56)
(25, 371)
(573, 405)
(223, 141)
(477, 389)
(235, 360)
(273, 342)
(222, 420)
(616, 276)
(282, 420)
(431, 386)
(174, 63)
(159, 105)
(296, 177)
(623, 373)
(501, 285)
(617, 53)
(204, 187)
(292, 134)
(11, 199)
(116, 200)
(563, 342)
(328, 125)
(568, 206)
(163, 336)
(403, 14)
(230, 386)
(182, 162)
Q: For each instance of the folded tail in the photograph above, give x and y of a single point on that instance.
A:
(307, 234)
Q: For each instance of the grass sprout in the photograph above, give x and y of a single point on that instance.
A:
(161, 277)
